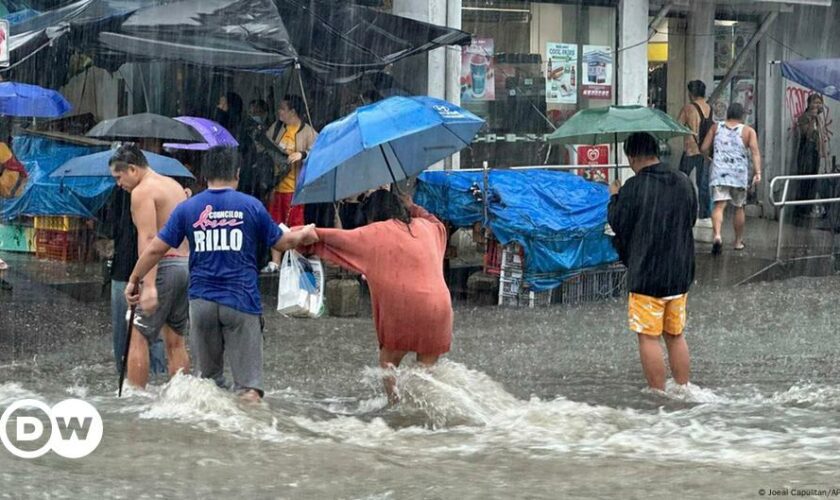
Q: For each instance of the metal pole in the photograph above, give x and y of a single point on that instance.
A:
(781, 222)
(486, 190)
(659, 17)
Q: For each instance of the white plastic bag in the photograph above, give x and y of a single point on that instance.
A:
(301, 291)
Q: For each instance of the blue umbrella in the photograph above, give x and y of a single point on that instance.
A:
(96, 165)
(384, 142)
(21, 99)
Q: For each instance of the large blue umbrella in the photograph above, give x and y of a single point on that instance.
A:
(96, 165)
(384, 142)
(21, 99)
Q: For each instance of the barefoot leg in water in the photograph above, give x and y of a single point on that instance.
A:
(389, 359)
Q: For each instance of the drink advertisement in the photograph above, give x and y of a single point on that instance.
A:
(598, 71)
(477, 74)
(561, 78)
(4, 43)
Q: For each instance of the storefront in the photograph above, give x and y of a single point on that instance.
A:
(530, 67)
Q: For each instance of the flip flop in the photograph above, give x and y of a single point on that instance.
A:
(740, 248)
(717, 247)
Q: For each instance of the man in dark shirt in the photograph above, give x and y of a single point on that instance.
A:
(652, 217)
(124, 235)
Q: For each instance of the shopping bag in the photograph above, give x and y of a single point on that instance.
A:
(301, 288)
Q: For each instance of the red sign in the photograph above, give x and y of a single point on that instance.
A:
(594, 155)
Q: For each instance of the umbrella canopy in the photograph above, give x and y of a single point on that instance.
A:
(145, 126)
(96, 165)
(614, 124)
(21, 99)
(819, 75)
(383, 142)
(214, 135)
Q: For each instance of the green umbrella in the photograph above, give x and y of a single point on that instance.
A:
(614, 124)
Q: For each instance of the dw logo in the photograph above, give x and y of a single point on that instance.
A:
(75, 428)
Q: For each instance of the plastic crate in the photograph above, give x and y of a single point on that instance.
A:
(507, 300)
(535, 299)
(593, 285)
(58, 223)
(509, 286)
(58, 245)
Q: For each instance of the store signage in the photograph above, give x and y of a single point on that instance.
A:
(478, 80)
(597, 72)
(561, 78)
(594, 155)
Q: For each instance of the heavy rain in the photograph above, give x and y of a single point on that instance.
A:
(419, 249)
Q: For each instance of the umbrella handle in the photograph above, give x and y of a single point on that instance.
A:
(125, 351)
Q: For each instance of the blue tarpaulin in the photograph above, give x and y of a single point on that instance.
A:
(75, 196)
(558, 218)
(819, 75)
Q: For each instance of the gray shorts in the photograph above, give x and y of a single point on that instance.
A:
(219, 331)
(735, 196)
(173, 277)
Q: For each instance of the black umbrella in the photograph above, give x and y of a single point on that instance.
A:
(145, 126)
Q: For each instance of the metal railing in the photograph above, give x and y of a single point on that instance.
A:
(783, 203)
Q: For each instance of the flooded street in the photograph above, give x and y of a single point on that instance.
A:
(537, 404)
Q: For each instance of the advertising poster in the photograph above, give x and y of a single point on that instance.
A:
(723, 49)
(4, 43)
(597, 72)
(594, 155)
(477, 75)
(561, 78)
(722, 103)
(743, 92)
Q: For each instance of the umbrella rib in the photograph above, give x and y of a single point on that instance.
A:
(388, 163)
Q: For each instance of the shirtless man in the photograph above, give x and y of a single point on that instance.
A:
(164, 304)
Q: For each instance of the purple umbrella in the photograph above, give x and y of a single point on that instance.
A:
(214, 135)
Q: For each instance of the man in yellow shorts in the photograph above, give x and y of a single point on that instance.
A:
(652, 216)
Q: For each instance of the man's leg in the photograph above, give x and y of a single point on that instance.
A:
(207, 340)
(738, 222)
(653, 364)
(176, 351)
(678, 357)
(389, 359)
(717, 219)
(137, 371)
(243, 343)
(703, 189)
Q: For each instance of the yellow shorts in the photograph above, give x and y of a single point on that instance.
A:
(654, 315)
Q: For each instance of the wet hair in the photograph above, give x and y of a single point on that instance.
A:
(220, 164)
(128, 154)
(259, 105)
(234, 103)
(296, 104)
(641, 144)
(735, 111)
(697, 88)
(383, 205)
(814, 97)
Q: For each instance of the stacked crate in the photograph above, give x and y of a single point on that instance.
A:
(512, 289)
(59, 237)
(594, 284)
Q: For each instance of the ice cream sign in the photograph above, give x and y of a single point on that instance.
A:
(4, 43)
(561, 78)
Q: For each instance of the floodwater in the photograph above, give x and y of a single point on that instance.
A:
(529, 404)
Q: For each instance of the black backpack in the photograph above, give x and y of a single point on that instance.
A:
(706, 124)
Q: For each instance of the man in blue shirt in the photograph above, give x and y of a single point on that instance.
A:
(224, 228)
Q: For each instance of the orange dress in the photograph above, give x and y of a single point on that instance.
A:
(412, 309)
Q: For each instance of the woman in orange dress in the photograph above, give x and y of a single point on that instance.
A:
(400, 253)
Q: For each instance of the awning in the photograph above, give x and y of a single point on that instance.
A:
(335, 41)
(819, 75)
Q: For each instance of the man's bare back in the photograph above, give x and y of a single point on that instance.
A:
(691, 119)
(152, 201)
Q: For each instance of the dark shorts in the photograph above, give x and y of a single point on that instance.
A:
(173, 309)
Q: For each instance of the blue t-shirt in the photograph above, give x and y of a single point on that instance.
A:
(224, 228)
